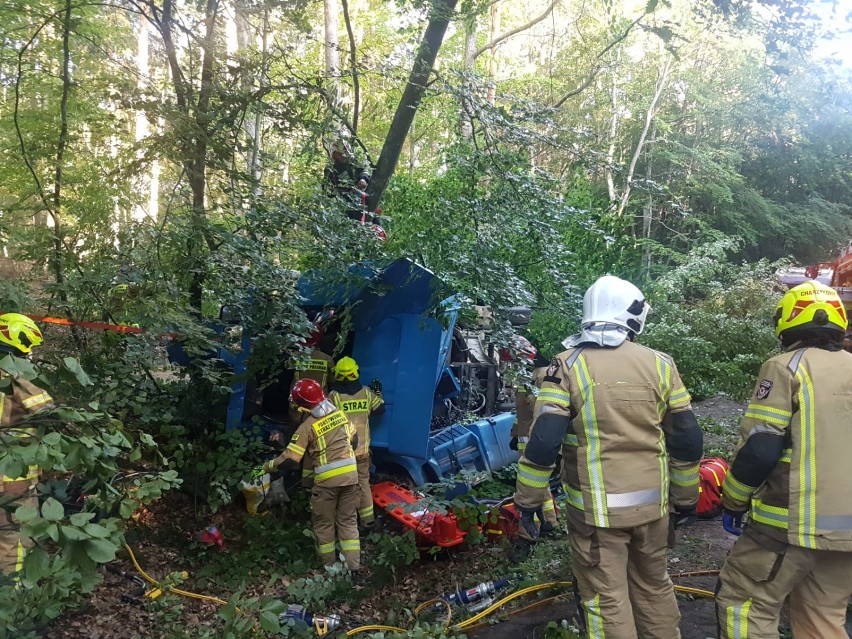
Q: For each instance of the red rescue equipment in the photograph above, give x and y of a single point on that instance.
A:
(711, 473)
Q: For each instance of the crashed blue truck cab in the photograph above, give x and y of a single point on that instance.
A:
(395, 340)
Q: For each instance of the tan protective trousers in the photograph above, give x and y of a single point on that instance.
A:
(334, 517)
(365, 505)
(622, 576)
(13, 546)
(755, 581)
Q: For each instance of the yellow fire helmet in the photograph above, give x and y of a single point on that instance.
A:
(346, 369)
(19, 331)
(810, 305)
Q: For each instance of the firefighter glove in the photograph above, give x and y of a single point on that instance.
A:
(376, 386)
(528, 521)
(733, 522)
(513, 445)
(683, 517)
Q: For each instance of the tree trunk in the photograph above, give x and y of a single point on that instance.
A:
(469, 68)
(649, 119)
(492, 61)
(613, 132)
(433, 37)
(56, 212)
(253, 125)
(332, 50)
(648, 210)
(149, 184)
(196, 166)
(356, 83)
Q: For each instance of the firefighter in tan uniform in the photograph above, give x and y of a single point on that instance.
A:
(316, 366)
(525, 397)
(359, 403)
(18, 399)
(791, 472)
(630, 452)
(329, 440)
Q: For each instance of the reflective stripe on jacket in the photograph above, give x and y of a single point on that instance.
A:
(326, 444)
(25, 398)
(525, 397)
(317, 366)
(616, 465)
(358, 408)
(801, 411)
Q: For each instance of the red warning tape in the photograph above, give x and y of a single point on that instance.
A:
(118, 328)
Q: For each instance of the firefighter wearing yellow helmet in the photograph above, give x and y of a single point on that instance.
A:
(359, 403)
(19, 399)
(790, 473)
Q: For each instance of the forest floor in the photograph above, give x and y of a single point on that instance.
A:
(272, 557)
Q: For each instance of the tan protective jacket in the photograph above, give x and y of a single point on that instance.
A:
(358, 408)
(317, 366)
(525, 397)
(24, 398)
(326, 443)
(616, 469)
(798, 427)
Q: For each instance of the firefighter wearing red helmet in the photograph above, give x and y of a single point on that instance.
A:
(18, 400)
(630, 447)
(328, 439)
(791, 474)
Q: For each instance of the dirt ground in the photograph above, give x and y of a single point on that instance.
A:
(702, 546)
(162, 547)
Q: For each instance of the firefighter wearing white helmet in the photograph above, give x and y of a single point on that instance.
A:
(18, 400)
(630, 447)
(791, 473)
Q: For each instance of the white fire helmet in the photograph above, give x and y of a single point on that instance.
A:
(612, 300)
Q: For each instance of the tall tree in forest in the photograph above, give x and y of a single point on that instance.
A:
(440, 14)
(195, 108)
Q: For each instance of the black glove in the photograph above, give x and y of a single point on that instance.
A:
(376, 386)
(528, 516)
(683, 517)
(513, 445)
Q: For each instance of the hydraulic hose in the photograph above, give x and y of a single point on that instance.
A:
(523, 591)
(376, 628)
(431, 602)
(468, 624)
(177, 591)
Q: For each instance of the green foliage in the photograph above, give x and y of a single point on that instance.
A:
(212, 467)
(242, 618)
(265, 549)
(391, 552)
(115, 479)
(316, 592)
(714, 319)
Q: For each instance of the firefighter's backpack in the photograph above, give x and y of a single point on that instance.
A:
(711, 473)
